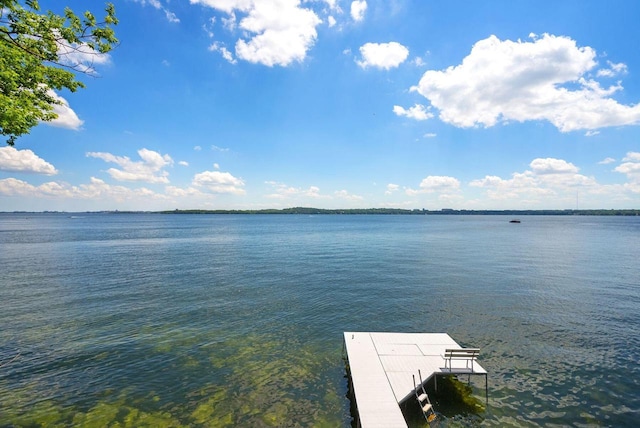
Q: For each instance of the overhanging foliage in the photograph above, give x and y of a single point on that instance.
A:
(40, 52)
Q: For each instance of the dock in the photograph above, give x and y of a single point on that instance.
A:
(382, 367)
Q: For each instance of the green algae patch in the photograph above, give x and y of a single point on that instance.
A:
(456, 397)
(254, 379)
(212, 412)
(101, 415)
(454, 402)
(274, 381)
(118, 415)
(105, 413)
(26, 407)
(43, 414)
(138, 418)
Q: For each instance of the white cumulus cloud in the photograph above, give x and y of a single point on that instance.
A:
(552, 166)
(606, 161)
(632, 157)
(417, 112)
(226, 54)
(343, 194)
(333, 4)
(96, 189)
(178, 192)
(25, 161)
(284, 191)
(277, 32)
(80, 56)
(391, 188)
(150, 169)
(382, 55)
(171, 17)
(546, 78)
(631, 168)
(67, 118)
(219, 182)
(547, 179)
(358, 9)
(436, 184)
(613, 70)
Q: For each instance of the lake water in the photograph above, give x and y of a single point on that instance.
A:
(237, 320)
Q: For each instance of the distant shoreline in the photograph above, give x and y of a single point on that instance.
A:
(364, 211)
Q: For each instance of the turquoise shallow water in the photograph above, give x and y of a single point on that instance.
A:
(205, 320)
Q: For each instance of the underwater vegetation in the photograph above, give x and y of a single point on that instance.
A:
(258, 380)
(456, 403)
(455, 396)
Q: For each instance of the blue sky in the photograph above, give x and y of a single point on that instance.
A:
(251, 104)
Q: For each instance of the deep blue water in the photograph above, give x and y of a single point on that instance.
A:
(224, 320)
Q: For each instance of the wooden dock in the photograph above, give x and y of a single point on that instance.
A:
(382, 367)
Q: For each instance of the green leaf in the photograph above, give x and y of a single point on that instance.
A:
(32, 61)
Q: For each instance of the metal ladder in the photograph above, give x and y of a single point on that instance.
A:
(423, 399)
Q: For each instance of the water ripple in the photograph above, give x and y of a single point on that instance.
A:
(237, 320)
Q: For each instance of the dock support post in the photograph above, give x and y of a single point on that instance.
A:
(486, 387)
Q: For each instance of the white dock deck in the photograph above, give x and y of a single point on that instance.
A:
(382, 367)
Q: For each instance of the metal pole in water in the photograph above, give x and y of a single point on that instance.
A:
(486, 387)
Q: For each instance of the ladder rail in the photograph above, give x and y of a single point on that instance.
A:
(423, 399)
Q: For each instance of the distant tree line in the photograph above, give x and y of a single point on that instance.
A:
(601, 212)
(398, 211)
(304, 210)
